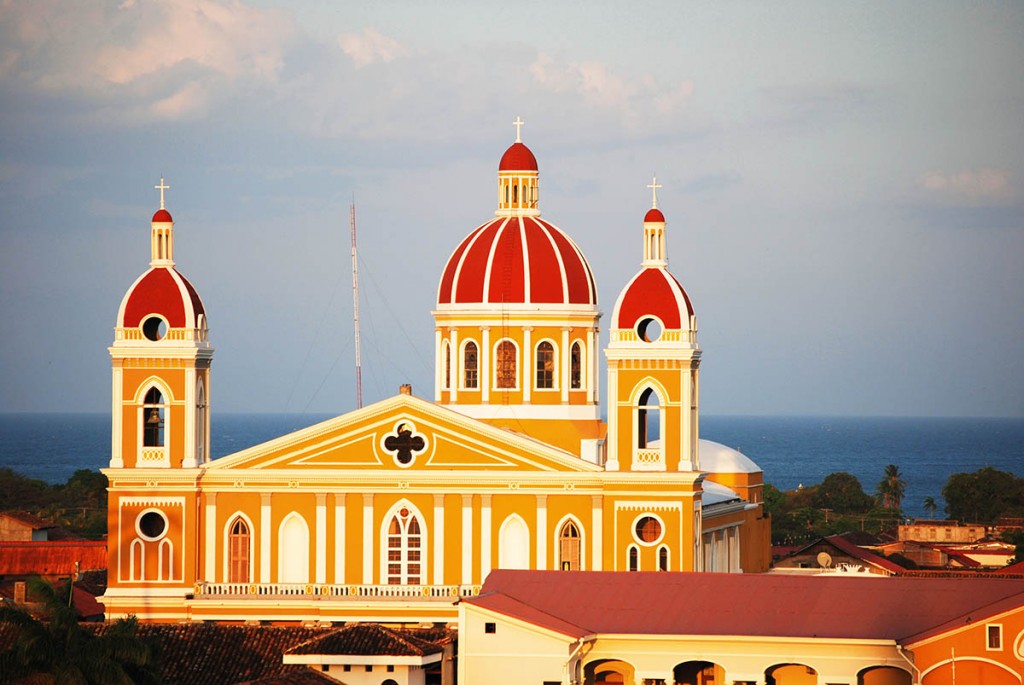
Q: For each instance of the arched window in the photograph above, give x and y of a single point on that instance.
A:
(648, 415)
(200, 423)
(663, 558)
(446, 360)
(470, 364)
(153, 413)
(515, 193)
(405, 549)
(506, 354)
(514, 543)
(293, 550)
(238, 552)
(576, 366)
(569, 547)
(545, 366)
(634, 558)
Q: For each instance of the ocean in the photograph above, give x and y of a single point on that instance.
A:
(790, 450)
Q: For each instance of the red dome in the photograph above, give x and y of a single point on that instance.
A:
(164, 292)
(654, 215)
(653, 293)
(518, 158)
(517, 260)
(162, 216)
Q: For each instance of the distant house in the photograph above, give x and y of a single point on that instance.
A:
(21, 526)
(688, 628)
(948, 532)
(833, 552)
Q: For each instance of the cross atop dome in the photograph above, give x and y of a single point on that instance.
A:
(518, 123)
(162, 187)
(654, 185)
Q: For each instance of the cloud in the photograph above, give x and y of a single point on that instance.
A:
(978, 184)
(370, 46)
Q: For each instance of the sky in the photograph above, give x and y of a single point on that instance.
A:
(843, 185)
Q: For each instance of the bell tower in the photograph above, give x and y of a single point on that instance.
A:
(161, 364)
(653, 362)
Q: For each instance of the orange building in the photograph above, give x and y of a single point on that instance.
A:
(391, 512)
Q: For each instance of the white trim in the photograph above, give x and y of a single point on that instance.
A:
(561, 263)
(453, 343)
(558, 540)
(542, 535)
(495, 239)
(463, 344)
(597, 523)
(340, 538)
(556, 385)
(961, 659)
(661, 524)
(438, 571)
(210, 546)
(467, 539)
(483, 365)
(1002, 643)
(494, 371)
(368, 550)
(424, 546)
(265, 547)
(486, 549)
(320, 550)
(160, 546)
(570, 412)
(138, 527)
(503, 561)
(445, 364)
(226, 565)
(526, 259)
(282, 558)
(630, 548)
(360, 660)
(668, 557)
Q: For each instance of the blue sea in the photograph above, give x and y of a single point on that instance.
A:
(791, 450)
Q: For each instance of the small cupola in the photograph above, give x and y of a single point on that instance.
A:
(518, 179)
(162, 236)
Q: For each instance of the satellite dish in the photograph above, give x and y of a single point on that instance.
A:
(824, 559)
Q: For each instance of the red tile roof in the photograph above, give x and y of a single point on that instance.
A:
(857, 552)
(778, 605)
(51, 558)
(371, 639)
(28, 519)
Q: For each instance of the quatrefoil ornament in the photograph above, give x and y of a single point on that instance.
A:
(404, 443)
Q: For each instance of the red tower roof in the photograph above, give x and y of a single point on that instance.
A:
(162, 216)
(654, 214)
(653, 293)
(518, 158)
(517, 260)
(163, 292)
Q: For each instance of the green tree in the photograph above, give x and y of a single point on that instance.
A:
(842, 493)
(891, 488)
(58, 650)
(930, 506)
(984, 495)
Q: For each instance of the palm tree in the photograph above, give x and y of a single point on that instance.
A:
(891, 488)
(931, 506)
(59, 650)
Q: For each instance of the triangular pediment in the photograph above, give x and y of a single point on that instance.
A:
(404, 433)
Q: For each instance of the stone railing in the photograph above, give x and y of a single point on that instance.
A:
(335, 592)
(648, 460)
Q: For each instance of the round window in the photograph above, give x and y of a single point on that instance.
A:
(649, 329)
(152, 524)
(648, 529)
(154, 328)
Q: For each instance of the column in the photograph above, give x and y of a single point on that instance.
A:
(467, 539)
(117, 412)
(210, 549)
(686, 456)
(526, 372)
(611, 444)
(542, 532)
(564, 370)
(321, 538)
(265, 537)
(453, 341)
(597, 532)
(485, 536)
(483, 364)
(368, 545)
(439, 363)
(188, 460)
(340, 539)
(438, 540)
(591, 360)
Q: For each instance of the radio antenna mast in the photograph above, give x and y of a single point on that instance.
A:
(355, 305)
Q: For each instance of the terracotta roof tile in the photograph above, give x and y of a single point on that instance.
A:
(371, 639)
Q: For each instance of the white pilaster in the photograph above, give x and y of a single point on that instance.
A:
(591, 377)
(686, 435)
(321, 538)
(542, 532)
(439, 363)
(467, 539)
(210, 548)
(368, 546)
(527, 370)
(483, 364)
(117, 412)
(612, 444)
(438, 578)
(340, 539)
(597, 532)
(485, 536)
(453, 343)
(564, 370)
(188, 460)
(265, 537)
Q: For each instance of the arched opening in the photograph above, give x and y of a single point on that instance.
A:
(293, 550)
(663, 558)
(469, 366)
(698, 673)
(885, 675)
(154, 415)
(576, 366)
(137, 560)
(545, 377)
(506, 356)
(609, 672)
(970, 671)
(790, 674)
(446, 361)
(514, 543)
(569, 547)
(648, 418)
(200, 423)
(165, 560)
(634, 558)
(405, 548)
(238, 551)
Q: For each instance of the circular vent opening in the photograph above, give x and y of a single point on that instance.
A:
(649, 329)
(154, 328)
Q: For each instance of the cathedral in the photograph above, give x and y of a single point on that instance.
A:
(394, 512)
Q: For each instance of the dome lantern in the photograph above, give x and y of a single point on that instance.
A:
(518, 177)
